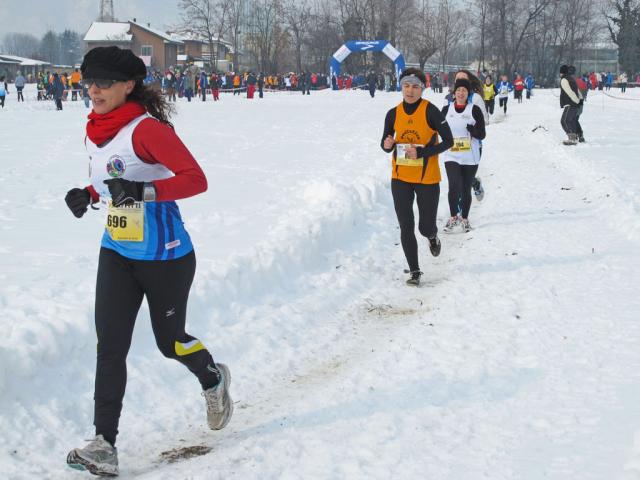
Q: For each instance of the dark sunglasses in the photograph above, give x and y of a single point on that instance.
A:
(98, 82)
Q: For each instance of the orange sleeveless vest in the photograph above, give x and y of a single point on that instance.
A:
(414, 129)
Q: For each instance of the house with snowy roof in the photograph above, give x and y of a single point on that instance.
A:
(195, 48)
(158, 49)
(10, 65)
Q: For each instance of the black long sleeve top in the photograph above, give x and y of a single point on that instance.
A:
(435, 120)
(478, 130)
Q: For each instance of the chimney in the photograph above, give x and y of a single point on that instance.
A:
(148, 25)
(134, 19)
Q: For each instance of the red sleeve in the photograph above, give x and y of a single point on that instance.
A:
(94, 195)
(156, 142)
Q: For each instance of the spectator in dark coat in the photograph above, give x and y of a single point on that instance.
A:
(57, 90)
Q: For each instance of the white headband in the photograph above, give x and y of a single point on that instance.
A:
(411, 80)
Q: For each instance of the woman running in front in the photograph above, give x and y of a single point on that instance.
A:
(139, 167)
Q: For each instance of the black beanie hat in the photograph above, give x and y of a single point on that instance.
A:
(464, 83)
(571, 70)
(564, 69)
(112, 63)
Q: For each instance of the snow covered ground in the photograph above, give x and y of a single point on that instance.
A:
(516, 359)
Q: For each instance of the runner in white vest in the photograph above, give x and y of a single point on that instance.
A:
(476, 97)
(461, 161)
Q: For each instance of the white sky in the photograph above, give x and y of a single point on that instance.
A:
(37, 16)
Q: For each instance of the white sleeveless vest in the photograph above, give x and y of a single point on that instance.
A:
(458, 123)
(117, 159)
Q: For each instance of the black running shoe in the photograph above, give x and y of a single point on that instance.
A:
(478, 190)
(414, 279)
(435, 246)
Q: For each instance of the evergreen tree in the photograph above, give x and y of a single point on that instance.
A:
(70, 47)
(50, 48)
(624, 27)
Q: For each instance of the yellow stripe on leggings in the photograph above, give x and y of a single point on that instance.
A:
(188, 348)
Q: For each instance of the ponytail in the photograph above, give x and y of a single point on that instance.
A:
(153, 101)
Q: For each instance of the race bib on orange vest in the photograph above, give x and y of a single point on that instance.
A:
(401, 156)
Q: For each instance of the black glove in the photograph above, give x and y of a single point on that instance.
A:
(124, 192)
(78, 200)
(471, 129)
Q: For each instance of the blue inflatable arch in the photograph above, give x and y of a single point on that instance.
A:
(367, 46)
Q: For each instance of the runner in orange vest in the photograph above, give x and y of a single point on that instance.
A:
(411, 132)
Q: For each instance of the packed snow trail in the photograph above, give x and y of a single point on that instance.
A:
(516, 359)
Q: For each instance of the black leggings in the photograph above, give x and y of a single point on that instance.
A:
(503, 103)
(490, 105)
(460, 181)
(427, 197)
(121, 285)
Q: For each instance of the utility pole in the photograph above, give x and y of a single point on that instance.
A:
(106, 11)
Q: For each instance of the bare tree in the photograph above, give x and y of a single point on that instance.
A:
(425, 42)
(480, 13)
(512, 25)
(235, 24)
(450, 28)
(205, 19)
(324, 35)
(267, 26)
(297, 14)
(20, 44)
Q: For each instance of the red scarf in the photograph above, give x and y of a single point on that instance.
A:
(103, 127)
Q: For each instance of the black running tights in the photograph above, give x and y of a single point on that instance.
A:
(460, 181)
(122, 284)
(427, 199)
(503, 103)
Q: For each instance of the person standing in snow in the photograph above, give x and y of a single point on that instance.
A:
(411, 131)
(4, 90)
(466, 122)
(203, 85)
(622, 81)
(188, 84)
(371, 81)
(570, 102)
(579, 132)
(57, 90)
(20, 83)
(251, 85)
(139, 167)
(261, 85)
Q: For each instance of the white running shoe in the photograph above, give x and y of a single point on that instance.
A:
(219, 403)
(466, 226)
(451, 225)
(99, 457)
